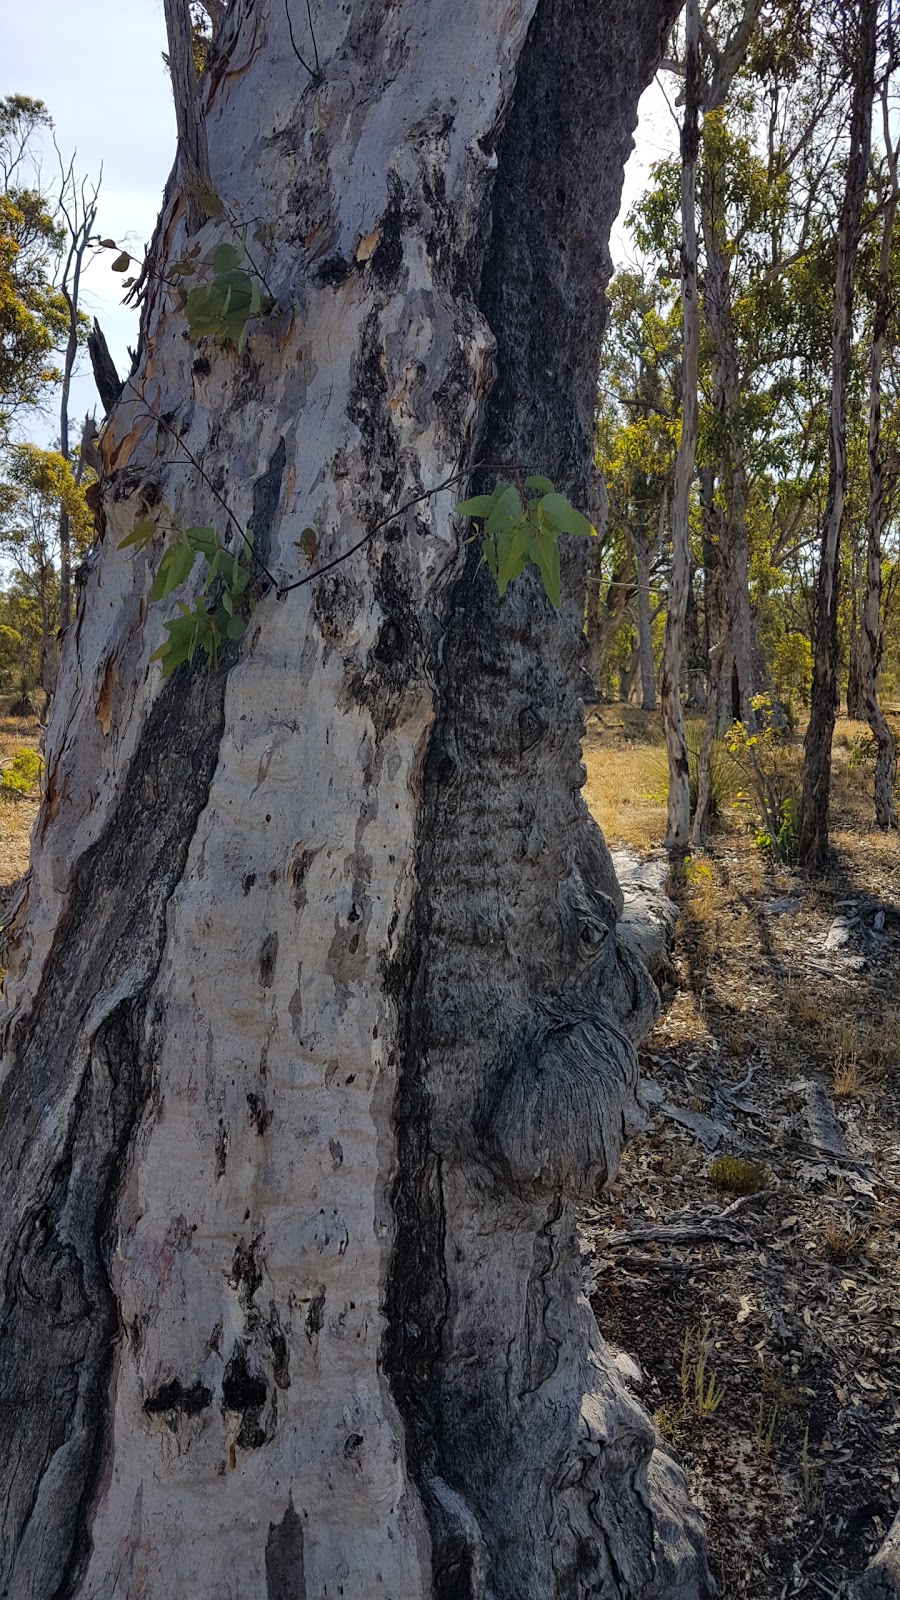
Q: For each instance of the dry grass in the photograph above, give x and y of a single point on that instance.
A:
(843, 1243)
(624, 789)
(16, 814)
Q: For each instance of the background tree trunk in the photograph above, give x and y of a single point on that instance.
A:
(316, 1021)
(643, 559)
(678, 814)
(814, 806)
(876, 511)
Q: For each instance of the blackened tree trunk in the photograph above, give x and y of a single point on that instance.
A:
(814, 808)
(317, 1024)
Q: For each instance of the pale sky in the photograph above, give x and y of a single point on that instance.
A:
(98, 66)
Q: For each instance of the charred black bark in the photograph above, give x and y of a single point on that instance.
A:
(503, 826)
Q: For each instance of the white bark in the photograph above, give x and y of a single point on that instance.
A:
(316, 1021)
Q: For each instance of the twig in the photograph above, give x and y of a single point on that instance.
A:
(677, 1233)
(198, 467)
(312, 34)
(313, 74)
(456, 477)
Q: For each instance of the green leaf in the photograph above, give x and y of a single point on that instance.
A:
(481, 505)
(544, 551)
(174, 567)
(489, 553)
(122, 262)
(225, 257)
(140, 535)
(227, 602)
(512, 554)
(207, 199)
(507, 509)
(542, 485)
(202, 540)
(561, 515)
(236, 628)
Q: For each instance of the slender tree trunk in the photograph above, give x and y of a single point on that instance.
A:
(678, 812)
(714, 639)
(643, 558)
(885, 814)
(814, 809)
(736, 670)
(317, 1025)
(856, 702)
(606, 615)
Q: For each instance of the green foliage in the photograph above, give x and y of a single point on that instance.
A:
(228, 293)
(517, 532)
(203, 626)
(22, 775)
(792, 666)
(34, 318)
(761, 753)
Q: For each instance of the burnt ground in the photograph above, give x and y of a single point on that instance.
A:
(767, 1329)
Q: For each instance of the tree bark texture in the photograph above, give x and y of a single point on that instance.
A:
(678, 812)
(815, 801)
(316, 1021)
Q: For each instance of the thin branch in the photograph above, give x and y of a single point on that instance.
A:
(456, 477)
(313, 72)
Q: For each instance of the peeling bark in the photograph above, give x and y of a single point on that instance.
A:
(317, 1023)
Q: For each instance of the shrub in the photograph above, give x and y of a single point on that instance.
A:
(22, 775)
(736, 1175)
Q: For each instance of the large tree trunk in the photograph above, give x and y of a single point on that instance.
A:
(678, 809)
(316, 1021)
(815, 801)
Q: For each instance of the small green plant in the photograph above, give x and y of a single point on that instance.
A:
(669, 1422)
(760, 754)
(22, 775)
(699, 1388)
(808, 1475)
(23, 705)
(199, 627)
(517, 532)
(736, 1175)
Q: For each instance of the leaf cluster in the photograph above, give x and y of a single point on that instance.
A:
(517, 533)
(203, 626)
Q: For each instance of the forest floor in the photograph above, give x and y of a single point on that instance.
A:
(766, 1326)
